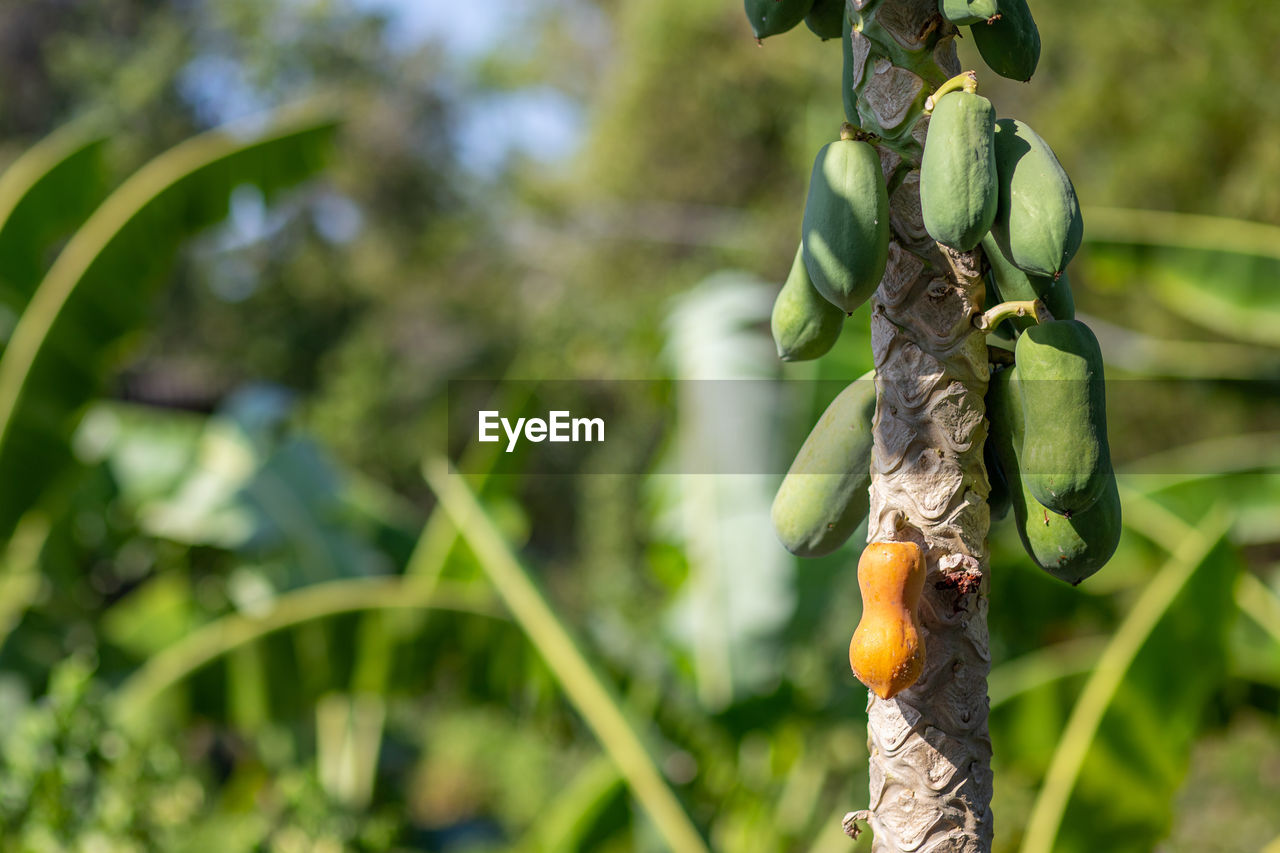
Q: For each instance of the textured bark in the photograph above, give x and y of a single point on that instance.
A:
(930, 754)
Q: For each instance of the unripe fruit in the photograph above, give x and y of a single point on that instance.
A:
(771, 17)
(826, 19)
(845, 234)
(1065, 461)
(961, 12)
(1070, 549)
(804, 324)
(1008, 282)
(958, 189)
(1038, 224)
(824, 498)
(1010, 44)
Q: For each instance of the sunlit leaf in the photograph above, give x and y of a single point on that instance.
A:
(98, 289)
(44, 195)
(1225, 292)
(1125, 747)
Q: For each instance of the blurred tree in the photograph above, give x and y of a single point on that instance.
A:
(441, 250)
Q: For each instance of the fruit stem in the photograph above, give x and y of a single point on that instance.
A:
(995, 315)
(965, 80)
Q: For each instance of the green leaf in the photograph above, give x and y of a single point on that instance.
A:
(1233, 295)
(1112, 779)
(44, 195)
(1216, 272)
(98, 289)
(584, 688)
(224, 635)
(1227, 293)
(1182, 231)
(1146, 355)
(567, 823)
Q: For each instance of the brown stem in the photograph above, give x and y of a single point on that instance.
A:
(930, 778)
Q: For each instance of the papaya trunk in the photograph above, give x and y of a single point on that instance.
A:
(930, 754)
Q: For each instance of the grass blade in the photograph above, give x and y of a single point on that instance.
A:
(1190, 569)
(45, 194)
(318, 601)
(98, 290)
(585, 690)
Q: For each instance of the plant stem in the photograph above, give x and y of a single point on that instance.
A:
(584, 688)
(318, 601)
(997, 314)
(966, 81)
(930, 778)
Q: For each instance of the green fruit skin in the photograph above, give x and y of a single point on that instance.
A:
(1038, 224)
(848, 96)
(1010, 45)
(824, 496)
(772, 17)
(1065, 461)
(964, 12)
(826, 19)
(1007, 282)
(845, 234)
(958, 190)
(1070, 549)
(998, 498)
(805, 325)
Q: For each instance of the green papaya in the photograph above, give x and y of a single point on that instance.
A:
(848, 85)
(998, 498)
(1065, 461)
(1004, 425)
(958, 191)
(964, 12)
(1009, 44)
(805, 325)
(845, 233)
(1038, 224)
(771, 17)
(824, 496)
(1004, 420)
(826, 19)
(1008, 282)
(1070, 549)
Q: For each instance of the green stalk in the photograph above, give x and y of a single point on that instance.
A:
(211, 641)
(965, 81)
(1182, 231)
(997, 314)
(1086, 716)
(584, 688)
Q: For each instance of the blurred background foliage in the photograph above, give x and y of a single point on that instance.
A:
(236, 616)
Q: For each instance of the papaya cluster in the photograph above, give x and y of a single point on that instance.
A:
(1003, 30)
(985, 183)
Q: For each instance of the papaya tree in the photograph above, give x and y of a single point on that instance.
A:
(986, 392)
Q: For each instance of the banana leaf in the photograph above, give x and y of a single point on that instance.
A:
(1126, 745)
(46, 194)
(98, 289)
